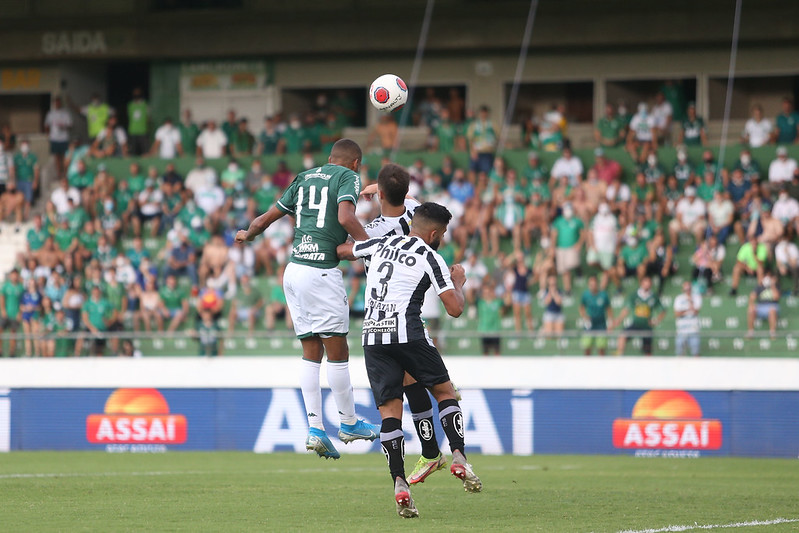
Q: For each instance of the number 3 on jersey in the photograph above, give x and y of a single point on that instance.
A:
(320, 207)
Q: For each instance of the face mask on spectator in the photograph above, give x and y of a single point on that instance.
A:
(652, 160)
(295, 124)
(24, 148)
(783, 196)
(604, 209)
(746, 159)
(307, 162)
(108, 205)
(545, 243)
(681, 157)
(568, 212)
(767, 282)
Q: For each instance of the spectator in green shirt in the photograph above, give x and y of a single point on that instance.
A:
(97, 314)
(631, 259)
(444, 134)
(26, 172)
(230, 126)
(692, 130)
(246, 305)
(294, 136)
(269, 140)
(610, 130)
(189, 131)
(568, 236)
(330, 132)
(277, 308)
(787, 124)
(643, 304)
(10, 298)
(37, 235)
(536, 171)
(138, 123)
(242, 142)
(208, 335)
(176, 302)
(595, 311)
(489, 319)
(708, 187)
(750, 261)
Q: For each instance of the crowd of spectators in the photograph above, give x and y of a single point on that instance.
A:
(87, 269)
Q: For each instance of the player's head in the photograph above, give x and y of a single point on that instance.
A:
(430, 222)
(592, 284)
(392, 184)
(346, 153)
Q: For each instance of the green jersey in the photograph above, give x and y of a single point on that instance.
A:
(265, 196)
(489, 315)
(247, 300)
(96, 117)
(610, 129)
(541, 188)
(692, 131)
(269, 142)
(568, 231)
(122, 200)
(633, 257)
(682, 172)
(786, 127)
(596, 307)
(445, 133)
(36, 238)
(98, 311)
(63, 238)
(77, 218)
(81, 181)
(13, 294)
(243, 142)
(89, 240)
(276, 294)
(705, 190)
(313, 198)
(24, 166)
(208, 335)
(138, 117)
(54, 327)
(294, 137)
(188, 136)
(173, 298)
(115, 294)
(643, 306)
(136, 184)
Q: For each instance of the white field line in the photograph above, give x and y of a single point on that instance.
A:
(714, 526)
(207, 472)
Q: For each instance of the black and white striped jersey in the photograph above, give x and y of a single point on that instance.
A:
(383, 226)
(403, 268)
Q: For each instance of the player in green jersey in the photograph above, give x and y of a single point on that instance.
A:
(322, 201)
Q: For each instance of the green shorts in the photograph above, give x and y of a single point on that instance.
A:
(600, 342)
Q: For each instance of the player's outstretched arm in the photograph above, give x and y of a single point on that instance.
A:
(350, 222)
(260, 224)
(344, 251)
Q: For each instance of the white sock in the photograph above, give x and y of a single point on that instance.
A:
(312, 393)
(338, 376)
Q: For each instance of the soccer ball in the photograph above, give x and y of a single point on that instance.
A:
(388, 93)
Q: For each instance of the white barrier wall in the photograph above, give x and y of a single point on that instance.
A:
(626, 373)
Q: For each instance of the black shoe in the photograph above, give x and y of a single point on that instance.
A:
(733, 292)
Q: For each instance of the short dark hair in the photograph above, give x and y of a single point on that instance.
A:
(431, 212)
(346, 150)
(394, 180)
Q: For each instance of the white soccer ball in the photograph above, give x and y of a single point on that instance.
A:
(388, 93)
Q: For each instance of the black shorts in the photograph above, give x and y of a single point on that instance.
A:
(59, 147)
(9, 323)
(490, 344)
(386, 365)
(644, 334)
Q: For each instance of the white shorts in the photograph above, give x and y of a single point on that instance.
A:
(317, 300)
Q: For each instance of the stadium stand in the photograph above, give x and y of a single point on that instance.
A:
(143, 219)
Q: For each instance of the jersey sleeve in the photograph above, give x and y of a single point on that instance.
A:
(366, 248)
(379, 227)
(349, 188)
(288, 200)
(437, 268)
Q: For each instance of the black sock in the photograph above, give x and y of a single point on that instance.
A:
(422, 412)
(393, 442)
(452, 421)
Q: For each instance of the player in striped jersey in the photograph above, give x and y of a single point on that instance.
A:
(397, 209)
(396, 341)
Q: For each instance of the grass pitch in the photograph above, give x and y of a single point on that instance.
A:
(185, 491)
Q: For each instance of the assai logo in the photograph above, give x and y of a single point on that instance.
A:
(136, 416)
(667, 420)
